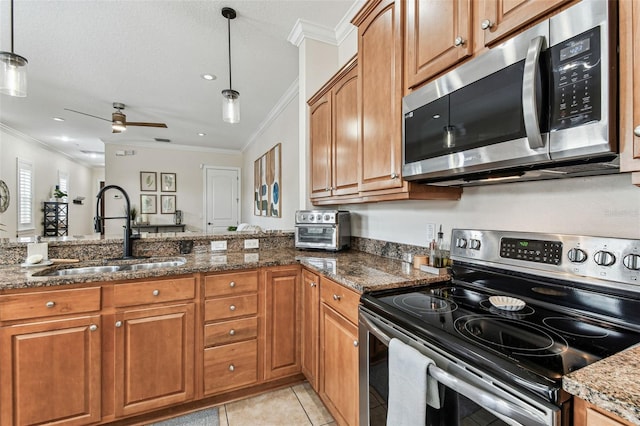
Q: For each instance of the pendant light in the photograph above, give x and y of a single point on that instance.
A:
(230, 101)
(13, 70)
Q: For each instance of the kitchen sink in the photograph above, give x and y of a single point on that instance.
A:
(116, 266)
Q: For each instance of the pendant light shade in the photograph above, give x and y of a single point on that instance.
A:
(230, 101)
(13, 70)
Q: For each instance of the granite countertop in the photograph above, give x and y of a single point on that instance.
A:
(360, 271)
(612, 384)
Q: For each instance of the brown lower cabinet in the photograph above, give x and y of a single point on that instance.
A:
(587, 414)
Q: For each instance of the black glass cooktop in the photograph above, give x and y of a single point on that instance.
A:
(539, 343)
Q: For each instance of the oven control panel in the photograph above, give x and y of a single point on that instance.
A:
(574, 257)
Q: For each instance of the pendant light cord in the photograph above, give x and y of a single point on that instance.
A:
(12, 26)
(229, 37)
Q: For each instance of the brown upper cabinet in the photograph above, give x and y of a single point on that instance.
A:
(334, 136)
(437, 36)
(629, 132)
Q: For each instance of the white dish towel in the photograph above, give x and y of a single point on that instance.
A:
(410, 387)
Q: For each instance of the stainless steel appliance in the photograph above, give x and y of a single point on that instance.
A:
(323, 229)
(581, 303)
(539, 106)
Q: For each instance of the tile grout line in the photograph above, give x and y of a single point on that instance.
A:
(301, 405)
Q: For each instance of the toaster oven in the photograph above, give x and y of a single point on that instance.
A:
(323, 229)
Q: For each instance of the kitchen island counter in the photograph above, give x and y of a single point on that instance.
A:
(360, 271)
(612, 384)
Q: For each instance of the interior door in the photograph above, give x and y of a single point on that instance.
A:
(222, 203)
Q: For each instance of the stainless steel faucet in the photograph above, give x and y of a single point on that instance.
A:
(97, 220)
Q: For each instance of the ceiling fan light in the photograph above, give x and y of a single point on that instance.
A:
(118, 126)
(230, 106)
(13, 74)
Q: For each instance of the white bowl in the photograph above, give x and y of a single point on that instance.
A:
(507, 303)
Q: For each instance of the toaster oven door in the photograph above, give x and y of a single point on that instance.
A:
(316, 236)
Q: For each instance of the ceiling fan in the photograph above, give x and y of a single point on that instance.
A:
(119, 121)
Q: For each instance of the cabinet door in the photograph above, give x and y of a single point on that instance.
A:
(310, 326)
(587, 414)
(503, 17)
(50, 372)
(380, 96)
(154, 358)
(345, 135)
(438, 35)
(282, 318)
(320, 134)
(338, 349)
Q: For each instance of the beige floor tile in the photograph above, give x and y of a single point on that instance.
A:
(312, 405)
(222, 414)
(276, 408)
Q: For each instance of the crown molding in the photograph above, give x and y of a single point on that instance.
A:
(345, 27)
(290, 95)
(306, 29)
(168, 146)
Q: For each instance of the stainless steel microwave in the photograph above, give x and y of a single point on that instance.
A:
(323, 229)
(539, 106)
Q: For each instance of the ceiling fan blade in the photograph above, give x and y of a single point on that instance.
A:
(84, 113)
(164, 126)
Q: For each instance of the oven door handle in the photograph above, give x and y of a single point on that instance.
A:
(478, 395)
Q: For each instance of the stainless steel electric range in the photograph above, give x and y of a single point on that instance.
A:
(522, 310)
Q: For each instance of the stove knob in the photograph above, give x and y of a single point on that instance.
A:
(327, 217)
(319, 217)
(604, 258)
(632, 261)
(577, 255)
(474, 244)
(461, 242)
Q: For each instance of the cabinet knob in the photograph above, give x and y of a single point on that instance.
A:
(118, 324)
(50, 304)
(312, 284)
(459, 41)
(355, 343)
(93, 327)
(232, 332)
(155, 292)
(636, 131)
(232, 307)
(486, 24)
(232, 367)
(394, 176)
(232, 284)
(327, 189)
(336, 297)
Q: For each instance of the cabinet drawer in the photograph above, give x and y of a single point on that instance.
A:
(230, 366)
(221, 333)
(49, 303)
(230, 307)
(230, 284)
(145, 292)
(341, 299)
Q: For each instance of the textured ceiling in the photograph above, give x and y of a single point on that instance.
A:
(150, 55)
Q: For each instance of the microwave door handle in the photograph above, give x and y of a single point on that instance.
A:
(529, 86)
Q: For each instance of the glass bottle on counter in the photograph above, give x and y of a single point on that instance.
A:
(439, 250)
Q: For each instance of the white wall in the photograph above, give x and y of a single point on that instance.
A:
(125, 171)
(283, 129)
(597, 205)
(46, 164)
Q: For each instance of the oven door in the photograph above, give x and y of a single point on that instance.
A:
(316, 236)
(469, 396)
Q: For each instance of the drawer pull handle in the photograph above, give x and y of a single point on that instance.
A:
(118, 324)
(394, 175)
(313, 284)
(355, 343)
(336, 297)
(50, 304)
(459, 41)
(232, 332)
(232, 307)
(93, 327)
(486, 24)
(232, 367)
(155, 292)
(232, 284)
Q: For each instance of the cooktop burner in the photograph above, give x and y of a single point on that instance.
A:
(418, 304)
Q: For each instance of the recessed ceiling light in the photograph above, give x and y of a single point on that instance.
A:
(209, 76)
(202, 134)
(58, 119)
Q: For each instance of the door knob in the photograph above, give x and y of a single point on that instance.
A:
(486, 24)
(636, 131)
(459, 41)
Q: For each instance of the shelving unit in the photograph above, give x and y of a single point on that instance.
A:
(56, 219)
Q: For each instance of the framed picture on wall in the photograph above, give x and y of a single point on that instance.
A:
(148, 204)
(167, 204)
(168, 182)
(148, 181)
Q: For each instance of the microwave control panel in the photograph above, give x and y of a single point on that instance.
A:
(576, 82)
